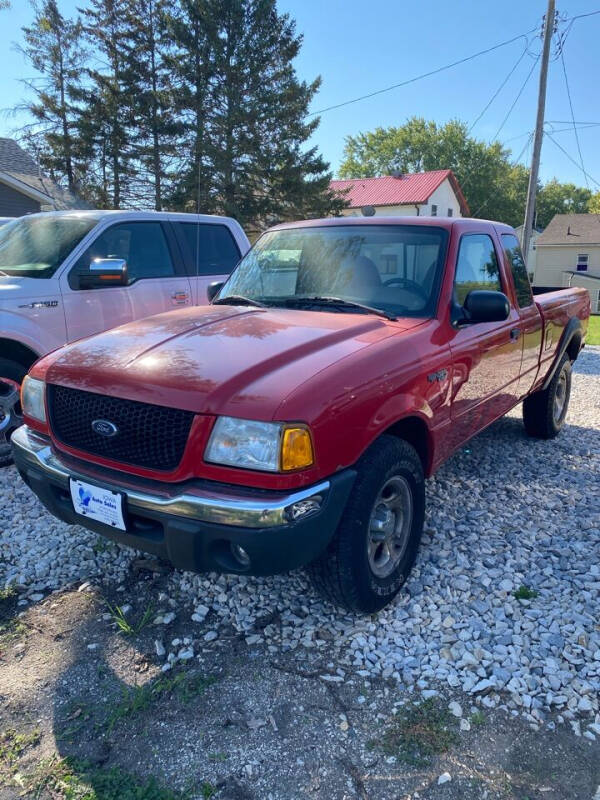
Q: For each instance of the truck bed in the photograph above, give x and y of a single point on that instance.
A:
(557, 308)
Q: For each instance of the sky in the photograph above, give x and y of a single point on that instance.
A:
(359, 47)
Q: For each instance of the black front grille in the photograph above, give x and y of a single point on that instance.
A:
(147, 435)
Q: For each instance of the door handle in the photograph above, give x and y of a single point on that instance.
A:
(515, 333)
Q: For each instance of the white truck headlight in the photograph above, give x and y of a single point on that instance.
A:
(267, 446)
(32, 398)
(245, 443)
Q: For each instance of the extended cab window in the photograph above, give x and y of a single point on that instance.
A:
(476, 266)
(141, 244)
(218, 251)
(512, 251)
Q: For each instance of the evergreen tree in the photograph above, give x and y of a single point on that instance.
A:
(155, 124)
(250, 113)
(110, 99)
(53, 47)
(190, 26)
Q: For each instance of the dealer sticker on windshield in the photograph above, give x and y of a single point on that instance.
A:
(101, 505)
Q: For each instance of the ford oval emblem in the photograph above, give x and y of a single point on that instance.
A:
(104, 428)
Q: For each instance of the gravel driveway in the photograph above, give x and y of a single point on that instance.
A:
(504, 602)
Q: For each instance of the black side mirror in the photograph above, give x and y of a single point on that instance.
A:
(213, 289)
(482, 305)
(104, 272)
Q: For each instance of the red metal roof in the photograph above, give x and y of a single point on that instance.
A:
(408, 189)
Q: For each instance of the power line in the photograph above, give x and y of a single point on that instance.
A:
(562, 59)
(499, 89)
(424, 75)
(562, 149)
(581, 16)
(521, 90)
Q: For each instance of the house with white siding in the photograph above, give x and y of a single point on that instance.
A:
(434, 194)
(568, 254)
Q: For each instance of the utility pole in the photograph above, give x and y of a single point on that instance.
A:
(539, 130)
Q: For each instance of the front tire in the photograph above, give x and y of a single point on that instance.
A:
(376, 543)
(544, 412)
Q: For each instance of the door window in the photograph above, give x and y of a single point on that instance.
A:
(512, 251)
(218, 252)
(142, 244)
(476, 267)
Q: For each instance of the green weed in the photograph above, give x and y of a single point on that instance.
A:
(418, 732)
(525, 593)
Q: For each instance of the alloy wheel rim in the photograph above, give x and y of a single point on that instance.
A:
(11, 415)
(389, 526)
(560, 396)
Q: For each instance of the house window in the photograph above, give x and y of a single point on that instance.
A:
(433, 210)
(582, 262)
(450, 212)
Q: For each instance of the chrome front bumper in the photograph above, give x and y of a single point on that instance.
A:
(201, 501)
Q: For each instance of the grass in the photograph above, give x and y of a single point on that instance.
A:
(71, 779)
(420, 731)
(123, 623)
(477, 718)
(593, 334)
(525, 593)
(11, 627)
(12, 746)
(184, 685)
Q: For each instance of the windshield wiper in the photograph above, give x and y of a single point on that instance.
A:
(341, 302)
(237, 300)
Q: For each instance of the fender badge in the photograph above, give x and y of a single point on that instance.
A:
(440, 375)
(41, 304)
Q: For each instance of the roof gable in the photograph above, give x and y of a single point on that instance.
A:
(20, 171)
(574, 229)
(391, 190)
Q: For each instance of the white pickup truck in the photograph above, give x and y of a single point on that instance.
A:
(65, 275)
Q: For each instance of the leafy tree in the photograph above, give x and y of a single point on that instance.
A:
(594, 204)
(53, 47)
(560, 198)
(493, 186)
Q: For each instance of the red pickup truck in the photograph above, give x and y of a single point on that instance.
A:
(292, 422)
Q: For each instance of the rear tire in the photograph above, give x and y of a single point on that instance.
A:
(544, 412)
(376, 543)
(8, 422)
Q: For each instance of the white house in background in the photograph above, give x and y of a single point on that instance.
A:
(435, 194)
(568, 254)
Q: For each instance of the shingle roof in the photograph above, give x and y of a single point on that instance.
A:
(18, 165)
(575, 229)
(389, 190)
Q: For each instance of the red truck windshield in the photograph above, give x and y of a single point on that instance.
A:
(394, 268)
(35, 247)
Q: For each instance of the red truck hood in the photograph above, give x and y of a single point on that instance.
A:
(238, 361)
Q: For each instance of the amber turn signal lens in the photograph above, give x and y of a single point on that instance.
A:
(296, 449)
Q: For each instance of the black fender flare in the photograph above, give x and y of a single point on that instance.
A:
(573, 328)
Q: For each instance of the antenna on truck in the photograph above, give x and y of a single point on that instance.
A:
(198, 229)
